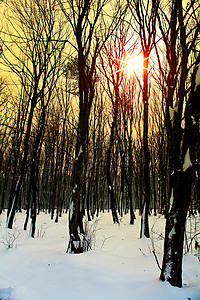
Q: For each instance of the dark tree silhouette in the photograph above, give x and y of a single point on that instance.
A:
(180, 35)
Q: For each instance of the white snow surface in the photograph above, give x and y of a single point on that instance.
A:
(121, 266)
(187, 162)
(71, 210)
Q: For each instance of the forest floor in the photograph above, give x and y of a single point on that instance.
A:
(120, 267)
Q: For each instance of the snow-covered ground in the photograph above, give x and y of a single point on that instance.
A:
(121, 266)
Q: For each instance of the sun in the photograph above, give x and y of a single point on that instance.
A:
(131, 64)
(134, 65)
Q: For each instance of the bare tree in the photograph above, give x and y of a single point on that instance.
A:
(144, 14)
(119, 88)
(85, 20)
(112, 57)
(180, 31)
(33, 53)
(6, 137)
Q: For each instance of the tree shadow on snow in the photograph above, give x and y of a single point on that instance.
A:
(5, 294)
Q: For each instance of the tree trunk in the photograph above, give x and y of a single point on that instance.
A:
(15, 198)
(146, 205)
(109, 179)
(181, 182)
(77, 241)
(28, 206)
(175, 228)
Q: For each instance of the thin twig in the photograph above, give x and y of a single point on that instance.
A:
(156, 259)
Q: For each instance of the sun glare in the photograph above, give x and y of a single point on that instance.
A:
(134, 65)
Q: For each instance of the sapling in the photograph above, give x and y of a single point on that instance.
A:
(10, 239)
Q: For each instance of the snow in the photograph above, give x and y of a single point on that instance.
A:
(171, 198)
(171, 114)
(187, 161)
(172, 111)
(169, 263)
(80, 151)
(71, 210)
(121, 266)
(143, 220)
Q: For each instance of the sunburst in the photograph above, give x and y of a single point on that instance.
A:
(132, 64)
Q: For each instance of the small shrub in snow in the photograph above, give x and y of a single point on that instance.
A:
(88, 239)
(41, 232)
(157, 239)
(10, 239)
(192, 236)
(104, 240)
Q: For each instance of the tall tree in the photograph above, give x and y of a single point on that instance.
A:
(114, 53)
(144, 14)
(119, 87)
(33, 53)
(180, 31)
(85, 18)
(6, 136)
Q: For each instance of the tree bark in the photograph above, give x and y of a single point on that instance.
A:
(146, 205)
(14, 200)
(175, 228)
(109, 178)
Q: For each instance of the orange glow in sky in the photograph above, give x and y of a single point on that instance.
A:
(132, 64)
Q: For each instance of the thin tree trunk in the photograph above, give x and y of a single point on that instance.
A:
(146, 205)
(109, 179)
(15, 198)
(28, 207)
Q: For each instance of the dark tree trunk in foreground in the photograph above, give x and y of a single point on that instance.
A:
(181, 180)
(84, 19)
(183, 142)
(77, 242)
(175, 228)
(86, 82)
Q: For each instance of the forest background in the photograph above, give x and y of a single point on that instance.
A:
(100, 111)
